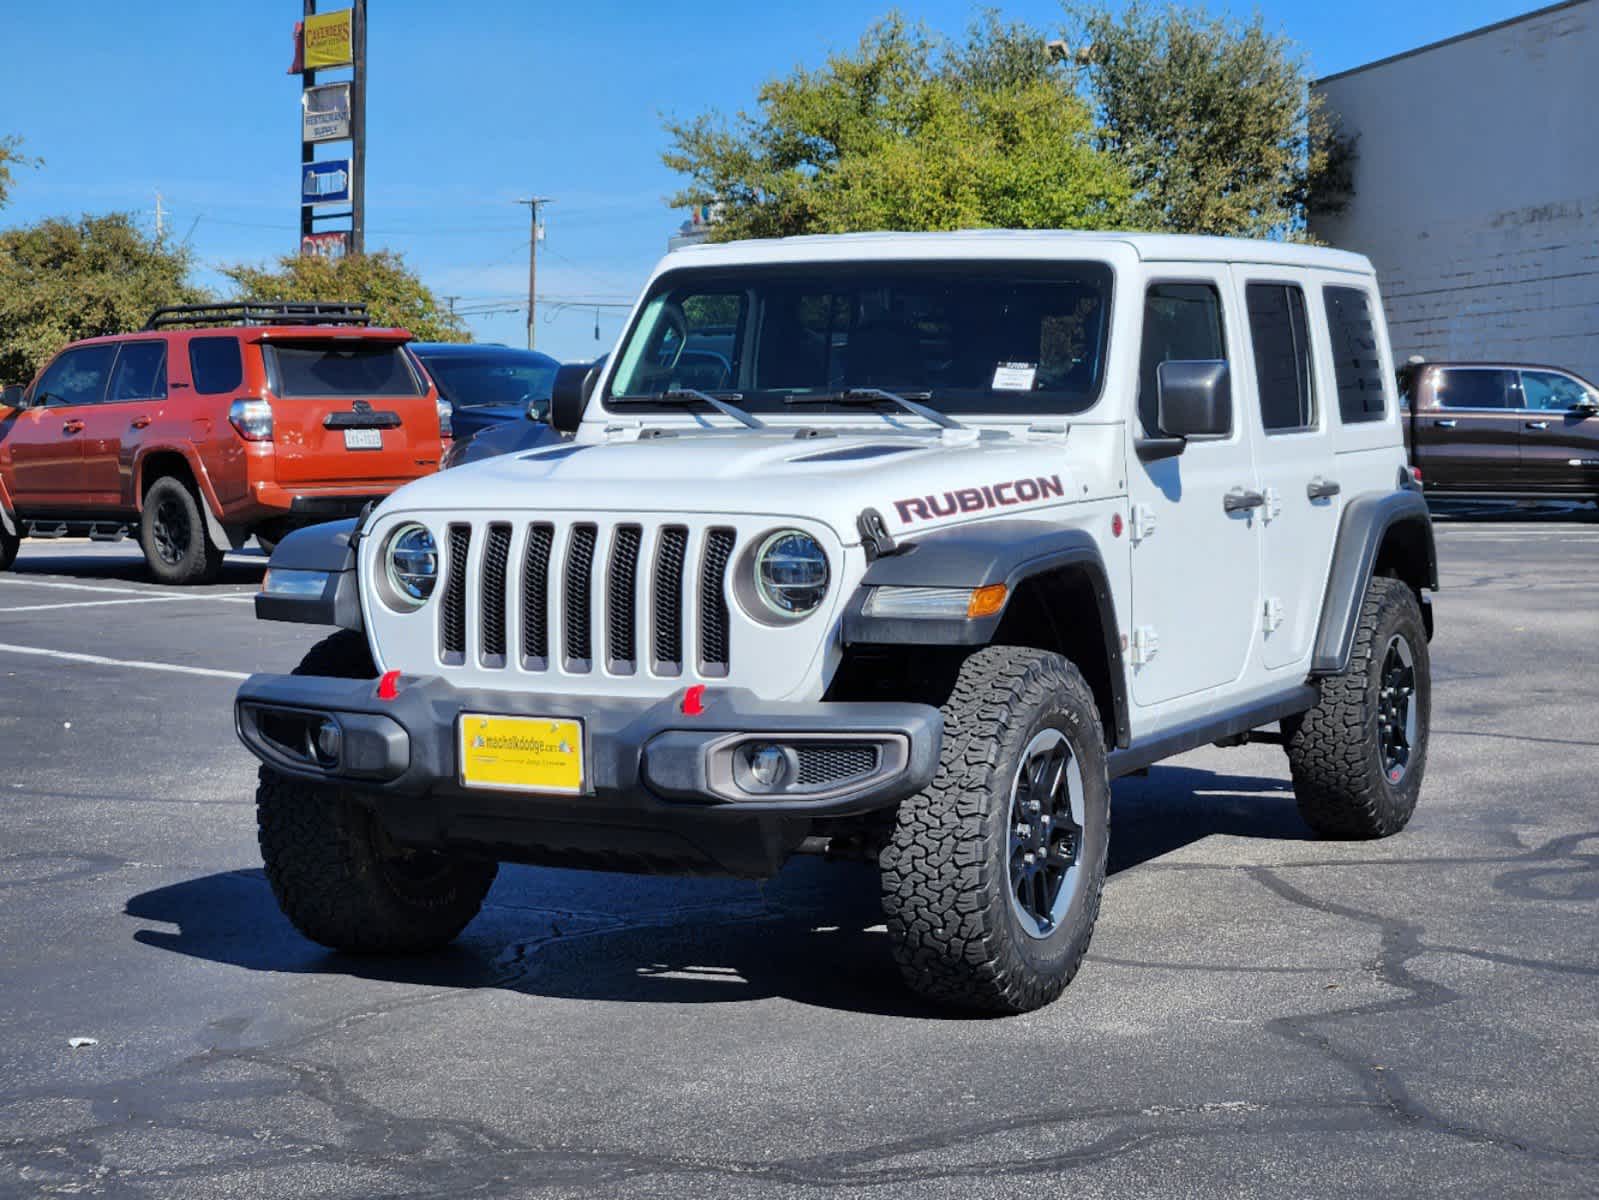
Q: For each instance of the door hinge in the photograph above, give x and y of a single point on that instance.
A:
(1145, 644)
(1271, 617)
(1142, 524)
(1273, 507)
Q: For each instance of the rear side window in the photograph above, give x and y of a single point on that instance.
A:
(216, 364)
(1477, 389)
(330, 369)
(1279, 334)
(141, 372)
(1354, 350)
(1182, 321)
(76, 377)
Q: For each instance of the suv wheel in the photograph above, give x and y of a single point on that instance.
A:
(1358, 757)
(992, 879)
(173, 536)
(336, 874)
(9, 542)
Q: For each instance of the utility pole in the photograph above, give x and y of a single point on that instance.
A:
(534, 203)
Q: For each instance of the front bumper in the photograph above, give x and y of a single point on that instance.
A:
(663, 787)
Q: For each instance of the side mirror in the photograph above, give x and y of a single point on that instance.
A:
(1195, 398)
(538, 409)
(569, 394)
(11, 397)
(1586, 408)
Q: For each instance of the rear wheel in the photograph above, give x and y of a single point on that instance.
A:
(9, 542)
(173, 535)
(336, 873)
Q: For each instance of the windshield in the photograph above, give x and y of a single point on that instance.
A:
(988, 337)
(478, 381)
(340, 369)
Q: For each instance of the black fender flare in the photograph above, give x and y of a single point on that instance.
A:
(330, 549)
(970, 556)
(1365, 523)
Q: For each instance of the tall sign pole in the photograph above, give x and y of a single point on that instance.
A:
(358, 131)
(332, 113)
(307, 149)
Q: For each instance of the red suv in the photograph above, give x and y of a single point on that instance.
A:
(213, 424)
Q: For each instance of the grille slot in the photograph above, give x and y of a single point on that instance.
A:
(496, 558)
(822, 765)
(668, 600)
(621, 600)
(714, 620)
(577, 611)
(452, 613)
(536, 598)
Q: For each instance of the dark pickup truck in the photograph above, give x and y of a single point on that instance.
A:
(1501, 429)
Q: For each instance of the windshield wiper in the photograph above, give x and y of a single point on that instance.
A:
(869, 395)
(685, 396)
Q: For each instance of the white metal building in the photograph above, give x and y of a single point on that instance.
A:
(1477, 189)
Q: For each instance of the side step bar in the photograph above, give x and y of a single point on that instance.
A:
(1213, 728)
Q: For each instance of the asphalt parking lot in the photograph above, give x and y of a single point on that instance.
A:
(1261, 1013)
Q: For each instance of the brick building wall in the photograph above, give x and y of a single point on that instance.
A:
(1477, 189)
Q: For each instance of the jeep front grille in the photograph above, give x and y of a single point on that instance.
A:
(569, 598)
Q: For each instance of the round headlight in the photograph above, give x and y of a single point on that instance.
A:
(791, 573)
(412, 561)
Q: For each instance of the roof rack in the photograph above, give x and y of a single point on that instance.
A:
(260, 312)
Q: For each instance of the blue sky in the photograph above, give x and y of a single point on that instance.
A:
(470, 107)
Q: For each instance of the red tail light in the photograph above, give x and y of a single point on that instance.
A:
(252, 418)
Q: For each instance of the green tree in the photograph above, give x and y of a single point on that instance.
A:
(61, 280)
(392, 292)
(11, 157)
(909, 132)
(1213, 118)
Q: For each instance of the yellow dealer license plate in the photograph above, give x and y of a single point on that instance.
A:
(524, 754)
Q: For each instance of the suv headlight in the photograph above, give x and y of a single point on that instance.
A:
(791, 574)
(410, 566)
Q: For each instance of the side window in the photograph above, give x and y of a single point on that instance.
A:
(1182, 321)
(1354, 352)
(141, 372)
(216, 364)
(1552, 392)
(76, 377)
(1465, 388)
(1279, 334)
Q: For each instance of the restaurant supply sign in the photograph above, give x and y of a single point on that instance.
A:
(328, 40)
(326, 113)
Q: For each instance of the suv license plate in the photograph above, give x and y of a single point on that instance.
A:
(522, 754)
(363, 439)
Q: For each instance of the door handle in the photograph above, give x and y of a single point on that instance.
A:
(73, 426)
(1537, 424)
(1241, 500)
(1446, 423)
(140, 422)
(1322, 489)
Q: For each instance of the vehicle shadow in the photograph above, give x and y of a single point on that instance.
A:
(1513, 512)
(812, 935)
(122, 562)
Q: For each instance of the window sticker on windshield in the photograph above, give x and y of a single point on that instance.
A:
(1014, 377)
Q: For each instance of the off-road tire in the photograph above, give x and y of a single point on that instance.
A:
(172, 510)
(957, 939)
(9, 544)
(1335, 750)
(335, 873)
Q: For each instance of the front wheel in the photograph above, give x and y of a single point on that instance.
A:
(1358, 757)
(992, 880)
(173, 536)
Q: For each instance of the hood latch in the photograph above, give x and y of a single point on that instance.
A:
(875, 537)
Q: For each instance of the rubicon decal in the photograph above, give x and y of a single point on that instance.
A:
(977, 499)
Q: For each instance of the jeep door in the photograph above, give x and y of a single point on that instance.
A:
(1468, 430)
(349, 410)
(45, 444)
(1195, 557)
(1559, 433)
(1295, 461)
(133, 397)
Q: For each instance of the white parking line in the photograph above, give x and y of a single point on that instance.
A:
(135, 664)
(115, 591)
(19, 608)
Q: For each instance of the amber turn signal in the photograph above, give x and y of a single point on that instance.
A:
(986, 601)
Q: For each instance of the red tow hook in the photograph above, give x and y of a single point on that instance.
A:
(389, 685)
(694, 700)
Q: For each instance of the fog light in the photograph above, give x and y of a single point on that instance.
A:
(767, 765)
(329, 742)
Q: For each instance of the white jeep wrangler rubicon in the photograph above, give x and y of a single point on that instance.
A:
(900, 546)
